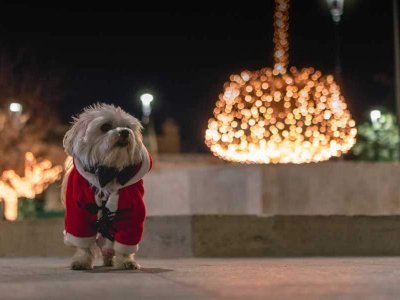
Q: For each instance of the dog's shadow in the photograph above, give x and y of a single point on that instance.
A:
(101, 269)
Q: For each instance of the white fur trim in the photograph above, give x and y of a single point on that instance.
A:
(112, 202)
(125, 249)
(82, 242)
(88, 176)
(144, 168)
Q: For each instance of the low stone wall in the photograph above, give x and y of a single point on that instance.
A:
(33, 238)
(251, 210)
(180, 187)
(220, 189)
(331, 188)
(290, 236)
(338, 188)
(227, 236)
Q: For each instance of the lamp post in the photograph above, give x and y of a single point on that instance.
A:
(149, 134)
(16, 118)
(336, 10)
(15, 107)
(396, 52)
(146, 107)
(375, 115)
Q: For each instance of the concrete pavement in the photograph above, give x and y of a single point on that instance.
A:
(219, 278)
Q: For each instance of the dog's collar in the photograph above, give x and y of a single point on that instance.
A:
(129, 176)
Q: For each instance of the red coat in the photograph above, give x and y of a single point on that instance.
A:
(81, 222)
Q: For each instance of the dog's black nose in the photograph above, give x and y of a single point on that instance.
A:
(124, 133)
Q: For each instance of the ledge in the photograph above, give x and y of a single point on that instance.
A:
(227, 236)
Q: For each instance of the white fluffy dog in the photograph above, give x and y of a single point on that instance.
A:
(103, 189)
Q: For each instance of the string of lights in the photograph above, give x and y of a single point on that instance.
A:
(37, 177)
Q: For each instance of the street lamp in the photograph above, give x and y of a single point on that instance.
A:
(396, 52)
(336, 9)
(149, 134)
(15, 107)
(375, 115)
(16, 117)
(146, 106)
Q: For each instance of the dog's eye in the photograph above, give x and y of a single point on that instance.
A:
(106, 127)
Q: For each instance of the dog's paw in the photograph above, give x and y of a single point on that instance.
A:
(82, 260)
(108, 257)
(130, 265)
(108, 261)
(126, 262)
(80, 265)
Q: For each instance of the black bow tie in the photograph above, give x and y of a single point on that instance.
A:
(107, 174)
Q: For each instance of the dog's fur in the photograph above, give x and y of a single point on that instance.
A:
(88, 143)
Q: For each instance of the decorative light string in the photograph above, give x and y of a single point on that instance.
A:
(281, 44)
(279, 115)
(37, 177)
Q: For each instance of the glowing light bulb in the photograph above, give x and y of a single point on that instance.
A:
(15, 107)
(146, 98)
(375, 115)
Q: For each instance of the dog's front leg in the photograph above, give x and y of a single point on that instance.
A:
(125, 256)
(126, 261)
(107, 251)
(82, 259)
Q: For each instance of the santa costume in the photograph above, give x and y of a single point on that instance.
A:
(118, 216)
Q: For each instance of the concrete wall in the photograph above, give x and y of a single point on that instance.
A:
(226, 235)
(163, 237)
(234, 236)
(196, 184)
(219, 189)
(251, 210)
(331, 188)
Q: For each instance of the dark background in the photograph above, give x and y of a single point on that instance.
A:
(183, 53)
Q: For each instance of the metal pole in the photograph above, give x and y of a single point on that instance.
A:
(338, 63)
(396, 59)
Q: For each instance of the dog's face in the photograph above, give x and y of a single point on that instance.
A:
(105, 135)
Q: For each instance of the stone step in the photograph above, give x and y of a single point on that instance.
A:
(227, 236)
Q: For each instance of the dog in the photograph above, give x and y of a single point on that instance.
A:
(103, 189)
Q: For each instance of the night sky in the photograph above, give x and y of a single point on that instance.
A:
(183, 53)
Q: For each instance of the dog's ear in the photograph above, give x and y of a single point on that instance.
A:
(76, 131)
(137, 132)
